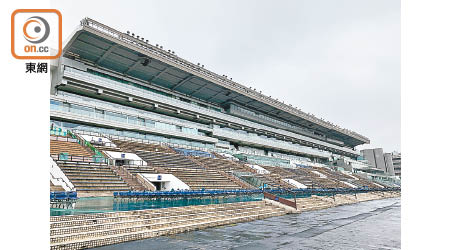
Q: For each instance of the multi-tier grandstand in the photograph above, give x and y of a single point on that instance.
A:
(130, 116)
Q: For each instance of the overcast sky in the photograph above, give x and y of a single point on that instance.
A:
(339, 60)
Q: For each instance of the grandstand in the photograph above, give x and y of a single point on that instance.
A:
(128, 115)
(183, 147)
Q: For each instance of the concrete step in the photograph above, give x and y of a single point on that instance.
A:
(137, 228)
(154, 221)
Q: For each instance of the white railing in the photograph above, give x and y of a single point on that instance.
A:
(58, 178)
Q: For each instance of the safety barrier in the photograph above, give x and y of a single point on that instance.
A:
(63, 196)
(199, 193)
(67, 157)
(191, 152)
(187, 193)
(58, 132)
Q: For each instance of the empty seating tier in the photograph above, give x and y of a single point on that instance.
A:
(221, 164)
(165, 160)
(225, 165)
(67, 145)
(133, 146)
(202, 178)
(307, 177)
(54, 188)
(140, 169)
(93, 177)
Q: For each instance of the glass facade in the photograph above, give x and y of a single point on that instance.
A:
(118, 117)
(183, 103)
(269, 141)
(126, 109)
(237, 109)
(130, 134)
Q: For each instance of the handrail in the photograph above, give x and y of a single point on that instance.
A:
(148, 185)
(62, 138)
(67, 157)
(61, 180)
(65, 181)
(121, 170)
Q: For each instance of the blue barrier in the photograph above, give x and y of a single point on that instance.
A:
(200, 193)
(63, 196)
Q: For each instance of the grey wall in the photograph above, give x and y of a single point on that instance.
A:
(369, 156)
(397, 161)
(389, 163)
(379, 159)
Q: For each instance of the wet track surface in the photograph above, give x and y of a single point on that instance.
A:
(366, 225)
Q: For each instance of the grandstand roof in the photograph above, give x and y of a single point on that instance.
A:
(122, 52)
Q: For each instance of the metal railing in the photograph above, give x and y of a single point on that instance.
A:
(63, 138)
(74, 158)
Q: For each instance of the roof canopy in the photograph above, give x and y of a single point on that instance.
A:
(135, 57)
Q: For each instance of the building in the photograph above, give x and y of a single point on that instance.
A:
(375, 157)
(117, 84)
(389, 164)
(397, 162)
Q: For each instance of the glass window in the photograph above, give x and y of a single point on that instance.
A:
(141, 121)
(54, 105)
(165, 126)
(116, 117)
(149, 123)
(100, 113)
(132, 120)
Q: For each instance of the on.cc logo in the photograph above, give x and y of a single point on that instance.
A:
(36, 29)
(36, 34)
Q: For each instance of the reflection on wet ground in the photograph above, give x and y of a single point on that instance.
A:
(366, 225)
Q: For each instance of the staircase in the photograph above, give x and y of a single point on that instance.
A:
(128, 177)
(201, 161)
(196, 176)
(95, 230)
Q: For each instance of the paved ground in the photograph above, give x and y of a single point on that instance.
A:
(367, 225)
